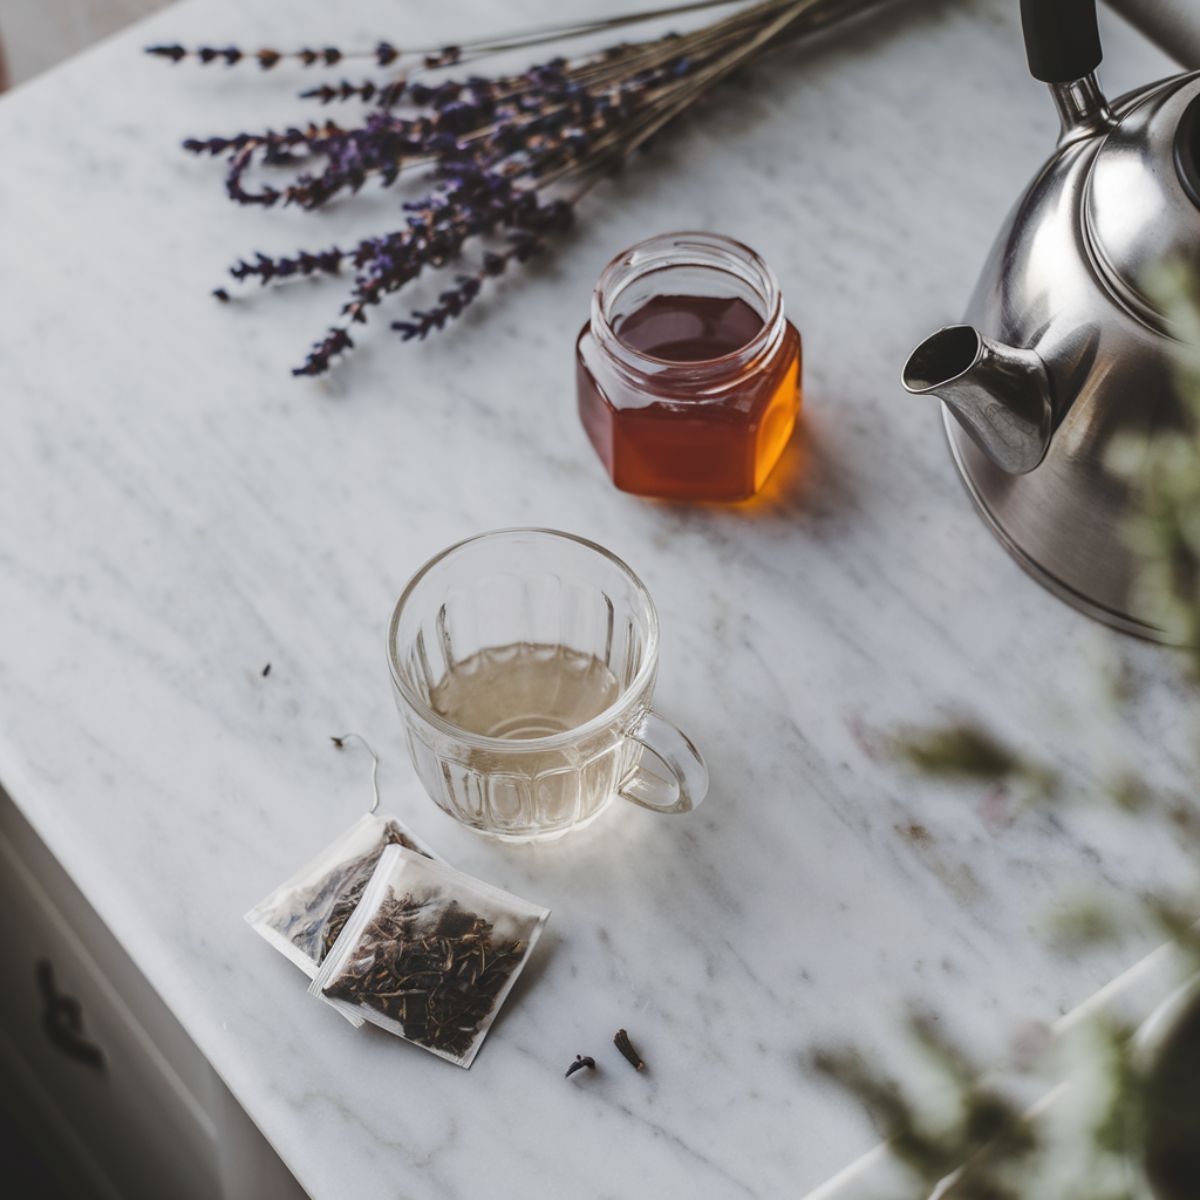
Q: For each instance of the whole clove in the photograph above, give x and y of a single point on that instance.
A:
(438, 978)
(581, 1061)
(622, 1043)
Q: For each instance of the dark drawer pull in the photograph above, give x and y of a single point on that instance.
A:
(62, 1019)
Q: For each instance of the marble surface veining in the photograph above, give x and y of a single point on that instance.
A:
(177, 512)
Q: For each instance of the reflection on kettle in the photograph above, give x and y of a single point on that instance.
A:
(1067, 345)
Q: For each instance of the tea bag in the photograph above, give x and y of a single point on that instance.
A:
(430, 954)
(303, 917)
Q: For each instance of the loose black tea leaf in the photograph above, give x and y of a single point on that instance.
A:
(622, 1043)
(434, 967)
(581, 1061)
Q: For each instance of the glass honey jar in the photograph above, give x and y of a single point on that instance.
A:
(688, 372)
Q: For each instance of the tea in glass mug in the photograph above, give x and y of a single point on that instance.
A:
(523, 663)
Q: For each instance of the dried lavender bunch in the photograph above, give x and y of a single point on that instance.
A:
(499, 162)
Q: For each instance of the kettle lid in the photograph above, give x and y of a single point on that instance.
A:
(1142, 205)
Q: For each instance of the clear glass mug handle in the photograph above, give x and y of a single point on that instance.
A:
(676, 780)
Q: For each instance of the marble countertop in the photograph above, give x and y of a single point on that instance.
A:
(178, 512)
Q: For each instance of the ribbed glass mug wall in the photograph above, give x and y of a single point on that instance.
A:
(557, 603)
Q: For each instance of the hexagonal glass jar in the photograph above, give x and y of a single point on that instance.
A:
(688, 372)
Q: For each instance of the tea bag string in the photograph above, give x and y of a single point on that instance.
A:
(340, 742)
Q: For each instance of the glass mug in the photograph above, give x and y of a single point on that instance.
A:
(523, 663)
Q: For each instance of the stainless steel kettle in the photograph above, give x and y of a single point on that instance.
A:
(1067, 344)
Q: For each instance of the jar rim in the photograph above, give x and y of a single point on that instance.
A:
(711, 251)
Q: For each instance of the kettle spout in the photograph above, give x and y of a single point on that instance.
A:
(1000, 395)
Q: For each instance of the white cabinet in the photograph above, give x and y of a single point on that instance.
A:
(119, 1100)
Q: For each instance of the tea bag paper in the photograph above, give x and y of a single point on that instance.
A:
(430, 954)
(304, 915)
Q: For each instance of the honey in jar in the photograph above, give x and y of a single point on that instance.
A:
(688, 373)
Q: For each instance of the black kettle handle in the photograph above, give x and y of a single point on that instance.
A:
(1062, 39)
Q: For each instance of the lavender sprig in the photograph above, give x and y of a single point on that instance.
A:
(386, 94)
(266, 269)
(523, 245)
(432, 57)
(266, 58)
(450, 304)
